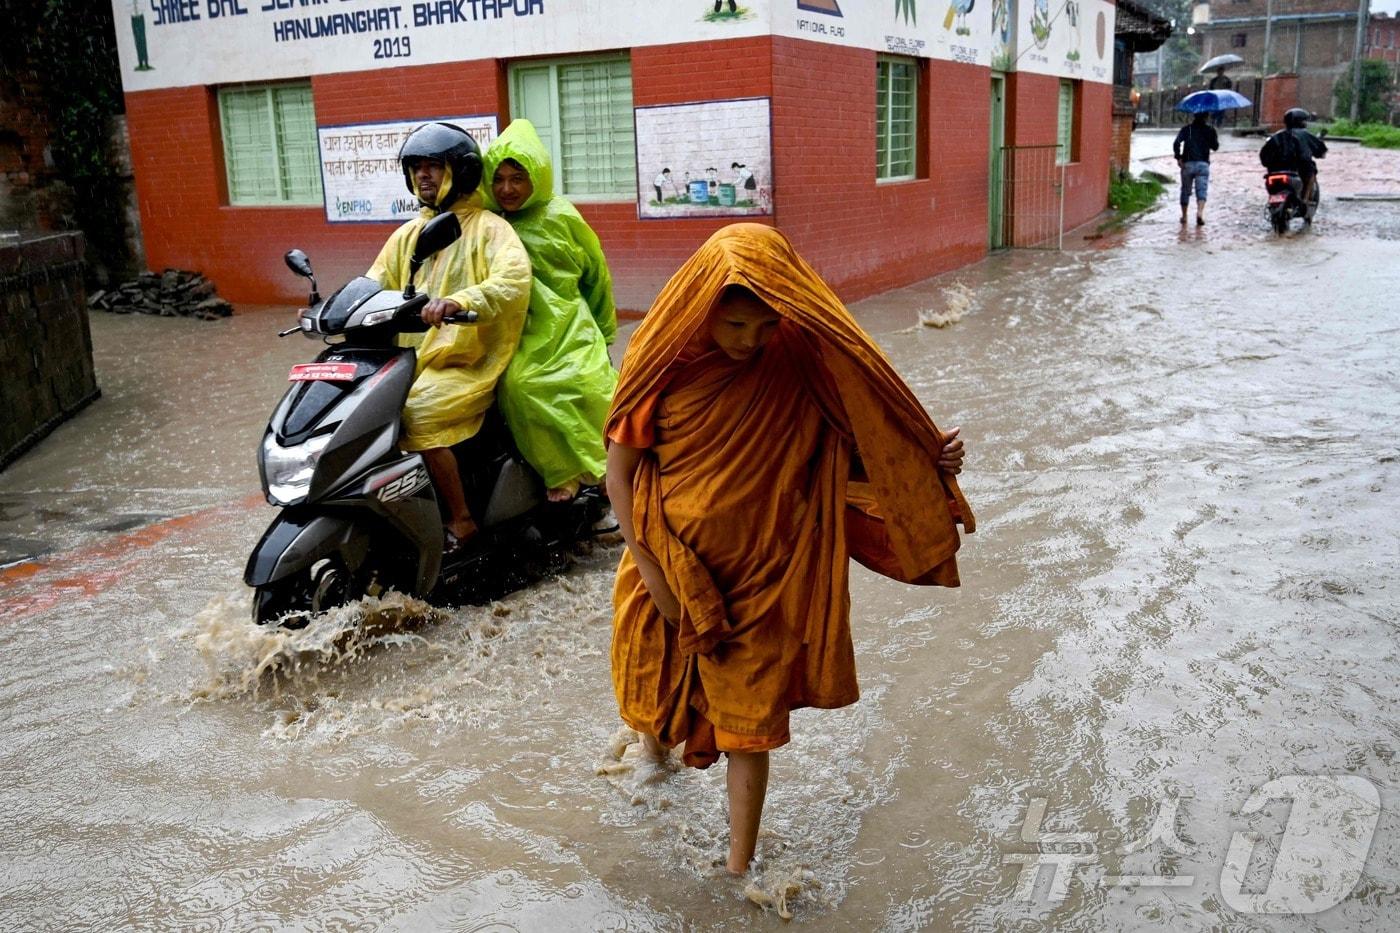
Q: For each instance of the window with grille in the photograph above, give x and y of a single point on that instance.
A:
(270, 151)
(582, 109)
(896, 118)
(1237, 41)
(1064, 138)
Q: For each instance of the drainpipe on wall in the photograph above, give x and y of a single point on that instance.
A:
(1363, 17)
(1268, 35)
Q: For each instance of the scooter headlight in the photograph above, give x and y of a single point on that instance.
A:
(289, 469)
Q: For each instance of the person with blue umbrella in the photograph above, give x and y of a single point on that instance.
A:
(1196, 141)
(1192, 148)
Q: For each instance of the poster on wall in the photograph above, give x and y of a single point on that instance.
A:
(180, 43)
(711, 159)
(360, 170)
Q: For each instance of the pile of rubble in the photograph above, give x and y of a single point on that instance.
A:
(172, 293)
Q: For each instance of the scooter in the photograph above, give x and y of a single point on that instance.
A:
(359, 516)
(1286, 199)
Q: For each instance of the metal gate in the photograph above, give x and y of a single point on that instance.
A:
(1033, 206)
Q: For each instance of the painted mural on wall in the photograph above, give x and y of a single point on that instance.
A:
(1063, 38)
(1003, 35)
(1006, 35)
(360, 171)
(177, 43)
(711, 159)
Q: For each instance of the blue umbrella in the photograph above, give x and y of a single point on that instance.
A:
(1212, 101)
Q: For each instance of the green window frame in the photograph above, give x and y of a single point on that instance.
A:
(1064, 138)
(582, 108)
(271, 153)
(896, 118)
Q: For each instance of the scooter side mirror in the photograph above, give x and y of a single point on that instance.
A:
(296, 261)
(437, 234)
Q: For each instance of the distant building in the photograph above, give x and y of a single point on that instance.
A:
(1314, 39)
(1383, 39)
(1136, 31)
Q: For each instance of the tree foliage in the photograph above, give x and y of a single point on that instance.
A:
(1179, 59)
(1377, 84)
(68, 48)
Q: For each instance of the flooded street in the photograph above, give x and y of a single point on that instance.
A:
(1185, 460)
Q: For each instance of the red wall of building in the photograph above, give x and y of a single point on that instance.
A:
(1033, 121)
(644, 253)
(863, 236)
(177, 158)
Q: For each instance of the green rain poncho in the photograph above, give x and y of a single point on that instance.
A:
(556, 392)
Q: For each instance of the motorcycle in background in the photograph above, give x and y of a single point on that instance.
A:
(1286, 199)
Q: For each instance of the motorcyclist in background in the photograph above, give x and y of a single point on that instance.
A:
(1294, 149)
(487, 271)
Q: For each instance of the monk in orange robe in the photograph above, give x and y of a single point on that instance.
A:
(757, 440)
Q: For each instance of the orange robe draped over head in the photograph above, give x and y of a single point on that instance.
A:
(762, 478)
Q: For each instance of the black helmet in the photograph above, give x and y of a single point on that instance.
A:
(451, 144)
(1296, 119)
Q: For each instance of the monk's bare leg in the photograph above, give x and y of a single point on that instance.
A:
(653, 747)
(747, 780)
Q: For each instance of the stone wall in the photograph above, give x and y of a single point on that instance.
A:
(46, 372)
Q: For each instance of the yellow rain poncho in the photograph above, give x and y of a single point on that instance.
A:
(556, 392)
(486, 271)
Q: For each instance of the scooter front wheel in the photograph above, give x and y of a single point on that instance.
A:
(291, 601)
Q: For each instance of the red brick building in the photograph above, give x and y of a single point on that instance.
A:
(876, 141)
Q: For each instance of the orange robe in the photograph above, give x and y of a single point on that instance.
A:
(752, 498)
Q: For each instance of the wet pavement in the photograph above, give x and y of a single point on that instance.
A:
(1184, 458)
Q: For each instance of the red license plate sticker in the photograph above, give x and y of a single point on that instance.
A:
(330, 372)
(1277, 198)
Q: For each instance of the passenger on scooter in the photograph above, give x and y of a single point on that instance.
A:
(1294, 149)
(487, 271)
(557, 389)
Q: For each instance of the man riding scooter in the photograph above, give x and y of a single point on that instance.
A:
(1294, 149)
(486, 271)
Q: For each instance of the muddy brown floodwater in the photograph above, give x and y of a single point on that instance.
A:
(1184, 458)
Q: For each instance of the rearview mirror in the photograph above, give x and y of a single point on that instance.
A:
(437, 234)
(296, 261)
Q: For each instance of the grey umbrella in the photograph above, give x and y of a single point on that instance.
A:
(1221, 61)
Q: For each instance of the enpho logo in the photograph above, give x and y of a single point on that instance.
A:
(1323, 849)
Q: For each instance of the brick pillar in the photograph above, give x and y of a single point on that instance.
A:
(1280, 94)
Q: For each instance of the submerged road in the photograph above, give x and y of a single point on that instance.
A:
(1184, 458)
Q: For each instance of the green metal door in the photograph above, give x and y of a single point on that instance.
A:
(996, 168)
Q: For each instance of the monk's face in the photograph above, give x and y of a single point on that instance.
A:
(741, 324)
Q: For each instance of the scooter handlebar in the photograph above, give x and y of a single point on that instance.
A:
(466, 317)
